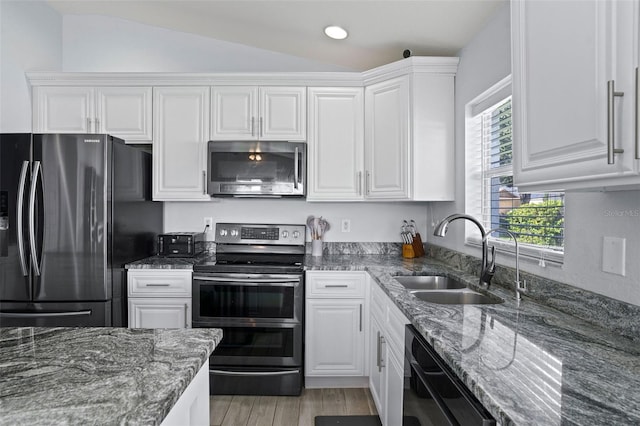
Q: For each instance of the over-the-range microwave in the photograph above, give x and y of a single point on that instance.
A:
(256, 168)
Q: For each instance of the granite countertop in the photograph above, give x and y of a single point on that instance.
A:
(97, 375)
(162, 262)
(527, 363)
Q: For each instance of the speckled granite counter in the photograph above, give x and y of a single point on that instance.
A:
(97, 375)
(160, 262)
(527, 363)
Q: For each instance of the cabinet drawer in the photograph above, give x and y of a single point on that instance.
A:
(159, 283)
(336, 284)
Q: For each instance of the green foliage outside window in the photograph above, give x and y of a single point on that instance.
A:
(539, 223)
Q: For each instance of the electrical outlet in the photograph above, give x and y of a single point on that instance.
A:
(208, 221)
(346, 225)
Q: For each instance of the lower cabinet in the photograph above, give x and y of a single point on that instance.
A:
(386, 357)
(335, 329)
(159, 298)
(192, 408)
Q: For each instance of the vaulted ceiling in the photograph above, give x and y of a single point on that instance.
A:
(379, 31)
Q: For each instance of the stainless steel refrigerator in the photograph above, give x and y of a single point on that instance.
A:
(74, 208)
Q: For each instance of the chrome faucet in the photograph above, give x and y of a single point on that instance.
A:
(486, 270)
(521, 286)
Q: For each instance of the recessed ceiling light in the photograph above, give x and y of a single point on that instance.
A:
(336, 32)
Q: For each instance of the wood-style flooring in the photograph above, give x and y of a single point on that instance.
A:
(242, 410)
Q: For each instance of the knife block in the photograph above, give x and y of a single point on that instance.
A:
(408, 252)
(418, 248)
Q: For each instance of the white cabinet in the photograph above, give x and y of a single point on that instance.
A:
(258, 113)
(409, 133)
(386, 356)
(181, 129)
(335, 144)
(565, 136)
(124, 112)
(159, 298)
(192, 408)
(335, 328)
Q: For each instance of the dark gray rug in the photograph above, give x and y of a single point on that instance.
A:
(348, 421)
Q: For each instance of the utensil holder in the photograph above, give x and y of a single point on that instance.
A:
(408, 252)
(316, 247)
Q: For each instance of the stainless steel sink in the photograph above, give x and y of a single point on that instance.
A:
(464, 297)
(429, 282)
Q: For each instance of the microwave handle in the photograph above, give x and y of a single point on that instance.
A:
(295, 169)
(204, 182)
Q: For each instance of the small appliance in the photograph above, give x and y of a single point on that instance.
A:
(181, 244)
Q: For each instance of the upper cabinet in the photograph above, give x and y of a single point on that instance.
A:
(124, 112)
(336, 143)
(575, 94)
(258, 113)
(396, 144)
(181, 117)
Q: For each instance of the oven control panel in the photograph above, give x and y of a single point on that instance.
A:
(234, 233)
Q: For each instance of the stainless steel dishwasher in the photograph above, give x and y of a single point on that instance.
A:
(433, 395)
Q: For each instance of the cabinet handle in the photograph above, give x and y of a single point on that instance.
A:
(359, 182)
(611, 149)
(382, 342)
(204, 182)
(260, 128)
(361, 317)
(186, 317)
(158, 285)
(368, 183)
(336, 286)
(637, 115)
(253, 127)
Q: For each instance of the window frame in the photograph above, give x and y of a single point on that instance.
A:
(475, 196)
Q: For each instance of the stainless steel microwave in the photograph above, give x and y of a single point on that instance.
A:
(256, 168)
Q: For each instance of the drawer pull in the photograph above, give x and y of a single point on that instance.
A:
(158, 285)
(336, 286)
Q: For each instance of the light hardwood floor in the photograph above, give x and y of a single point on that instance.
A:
(241, 410)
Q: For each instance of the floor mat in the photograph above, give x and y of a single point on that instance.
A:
(347, 421)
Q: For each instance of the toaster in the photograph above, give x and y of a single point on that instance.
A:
(180, 244)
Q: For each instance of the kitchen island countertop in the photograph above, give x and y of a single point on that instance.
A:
(97, 375)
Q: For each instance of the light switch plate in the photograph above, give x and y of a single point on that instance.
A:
(613, 255)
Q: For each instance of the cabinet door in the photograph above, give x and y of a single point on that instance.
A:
(387, 139)
(234, 112)
(376, 365)
(283, 114)
(159, 312)
(181, 129)
(334, 337)
(125, 112)
(560, 93)
(394, 390)
(63, 110)
(336, 144)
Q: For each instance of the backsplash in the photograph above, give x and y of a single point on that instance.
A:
(622, 318)
(333, 248)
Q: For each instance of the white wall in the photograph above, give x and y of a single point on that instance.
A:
(107, 44)
(588, 217)
(370, 222)
(30, 40)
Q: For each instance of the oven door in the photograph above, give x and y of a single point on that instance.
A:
(276, 298)
(263, 344)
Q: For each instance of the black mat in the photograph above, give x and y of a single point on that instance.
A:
(348, 421)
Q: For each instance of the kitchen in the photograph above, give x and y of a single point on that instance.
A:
(602, 213)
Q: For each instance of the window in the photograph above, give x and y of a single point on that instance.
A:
(537, 219)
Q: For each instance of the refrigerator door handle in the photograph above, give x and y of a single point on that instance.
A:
(20, 213)
(44, 314)
(32, 217)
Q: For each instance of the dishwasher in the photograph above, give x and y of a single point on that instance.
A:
(433, 395)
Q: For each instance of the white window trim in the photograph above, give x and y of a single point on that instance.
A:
(473, 180)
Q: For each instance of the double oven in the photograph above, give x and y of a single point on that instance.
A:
(254, 292)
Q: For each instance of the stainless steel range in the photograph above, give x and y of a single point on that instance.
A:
(254, 291)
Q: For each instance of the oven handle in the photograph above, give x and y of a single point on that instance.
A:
(254, 373)
(280, 282)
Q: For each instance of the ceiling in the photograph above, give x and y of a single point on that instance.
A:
(379, 31)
